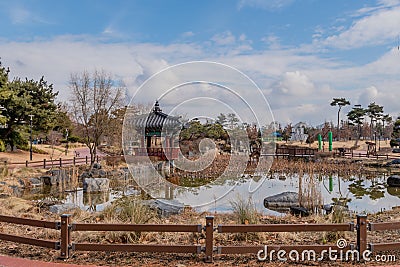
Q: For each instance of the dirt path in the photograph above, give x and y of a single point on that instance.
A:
(20, 156)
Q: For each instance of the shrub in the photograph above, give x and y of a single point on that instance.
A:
(74, 139)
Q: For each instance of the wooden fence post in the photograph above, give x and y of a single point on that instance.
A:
(65, 235)
(60, 162)
(74, 161)
(361, 233)
(44, 163)
(26, 164)
(209, 238)
(86, 160)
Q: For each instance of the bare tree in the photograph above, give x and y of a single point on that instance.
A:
(94, 97)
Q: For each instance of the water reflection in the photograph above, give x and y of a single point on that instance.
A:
(364, 193)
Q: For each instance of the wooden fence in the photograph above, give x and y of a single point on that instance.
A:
(67, 246)
(45, 163)
(366, 155)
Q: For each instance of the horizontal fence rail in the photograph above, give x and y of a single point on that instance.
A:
(30, 222)
(66, 245)
(30, 241)
(383, 226)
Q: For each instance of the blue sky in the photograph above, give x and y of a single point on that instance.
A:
(300, 53)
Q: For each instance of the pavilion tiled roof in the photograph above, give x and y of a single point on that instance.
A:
(156, 120)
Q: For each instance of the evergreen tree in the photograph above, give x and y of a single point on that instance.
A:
(21, 98)
(341, 102)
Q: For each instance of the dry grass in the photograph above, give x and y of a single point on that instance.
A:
(244, 210)
(130, 210)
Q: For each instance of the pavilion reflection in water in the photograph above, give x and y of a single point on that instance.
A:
(151, 145)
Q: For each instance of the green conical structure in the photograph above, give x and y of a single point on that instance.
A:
(330, 140)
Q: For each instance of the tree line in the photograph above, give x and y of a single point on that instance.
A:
(29, 108)
(96, 111)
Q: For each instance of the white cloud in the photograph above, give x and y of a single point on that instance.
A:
(272, 41)
(226, 38)
(56, 59)
(21, 15)
(265, 4)
(188, 34)
(375, 27)
(368, 95)
(296, 84)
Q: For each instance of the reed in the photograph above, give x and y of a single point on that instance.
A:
(245, 212)
(128, 210)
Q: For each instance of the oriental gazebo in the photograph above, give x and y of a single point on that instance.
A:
(159, 130)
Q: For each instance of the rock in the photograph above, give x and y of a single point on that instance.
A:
(84, 175)
(62, 208)
(16, 190)
(96, 184)
(98, 173)
(328, 207)
(295, 210)
(97, 166)
(35, 182)
(395, 161)
(282, 200)
(53, 172)
(393, 180)
(21, 183)
(48, 180)
(165, 207)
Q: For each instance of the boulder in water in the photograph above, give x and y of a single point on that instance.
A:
(393, 180)
(62, 208)
(166, 207)
(282, 200)
(96, 184)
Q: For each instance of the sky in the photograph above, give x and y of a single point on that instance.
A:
(300, 54)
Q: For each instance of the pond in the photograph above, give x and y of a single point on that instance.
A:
(365, 194)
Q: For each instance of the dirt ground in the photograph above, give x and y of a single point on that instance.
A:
(54, 152)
